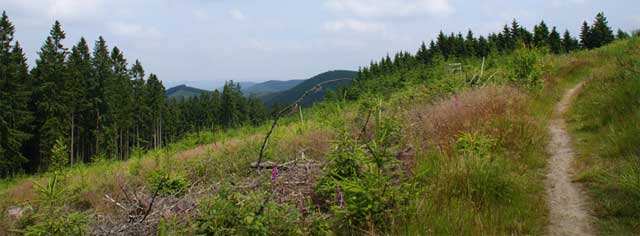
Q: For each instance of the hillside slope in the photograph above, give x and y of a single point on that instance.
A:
(184, 91)
(440, 154)
(271, 86)
(289, 96)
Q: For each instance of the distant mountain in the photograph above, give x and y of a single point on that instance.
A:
(271, 86)
(184, 91)
(289, 96)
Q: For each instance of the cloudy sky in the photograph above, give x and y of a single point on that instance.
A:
(204, 42)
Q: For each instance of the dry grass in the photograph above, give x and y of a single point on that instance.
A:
(441, 124)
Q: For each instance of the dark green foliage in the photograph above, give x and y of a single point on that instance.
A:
(93, 104)
(14, 95)
(622, 35)
(597, 35)
(569, 43)
(541, 35)
(555, 43)
(291, 95)
(183, 91)
(601, 34)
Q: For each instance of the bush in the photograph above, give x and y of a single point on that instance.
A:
(358, 187)
(167, 183)
(232, 213)
(59, 156)
(51, 216)
(526, 67)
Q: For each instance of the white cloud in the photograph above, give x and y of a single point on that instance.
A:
(353, 26)
(134, 30)
(237, 14)
(61, 9)
(394, 8)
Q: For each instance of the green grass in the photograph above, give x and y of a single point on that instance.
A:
(605, 120)
(475, 166)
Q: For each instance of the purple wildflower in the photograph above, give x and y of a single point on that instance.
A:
(457, 102)
(274, 173)
(340, 198)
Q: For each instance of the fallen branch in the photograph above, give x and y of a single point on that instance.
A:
(315, 88)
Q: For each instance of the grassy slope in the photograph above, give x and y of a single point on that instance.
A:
(606, 121)
(476, 166)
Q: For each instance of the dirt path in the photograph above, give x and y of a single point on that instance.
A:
(569, 214)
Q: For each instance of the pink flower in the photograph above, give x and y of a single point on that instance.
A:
(274, 173)
(340, 198)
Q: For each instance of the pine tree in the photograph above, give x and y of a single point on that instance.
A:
(601, 34)
(568, 42)
(76, 97)
(14, 95)
(585, 36)
(156, 104)
(622, 35)
(102, 71)
(119, 99)
(139, 107)
(554, 41)
(471, 44)
(541, 35)
(48, 76)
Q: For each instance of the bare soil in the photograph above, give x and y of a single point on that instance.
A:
(568, 204)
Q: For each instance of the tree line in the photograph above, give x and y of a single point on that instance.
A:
(95, 104)
(455, 47)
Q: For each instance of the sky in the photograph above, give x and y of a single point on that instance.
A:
(205, 42)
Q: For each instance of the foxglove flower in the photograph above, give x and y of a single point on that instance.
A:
(274, 173)
(340, 198)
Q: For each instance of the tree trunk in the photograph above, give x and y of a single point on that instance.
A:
(71, 149)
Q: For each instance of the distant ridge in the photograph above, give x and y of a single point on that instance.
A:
(184, 91)
(289, 96)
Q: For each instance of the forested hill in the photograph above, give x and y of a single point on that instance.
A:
(291, 95)
(271, 86)
(184, 91)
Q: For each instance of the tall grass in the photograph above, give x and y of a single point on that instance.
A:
(606, 120)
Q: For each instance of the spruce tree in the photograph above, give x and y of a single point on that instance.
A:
(541, 35)
(155, 103)
(568, 42)
(601, 34)
(554, 41)
(102, 71)
(139, 107)
(50, 108)
(622, 35)
(14, 95)
(76, 97)
(585, 36)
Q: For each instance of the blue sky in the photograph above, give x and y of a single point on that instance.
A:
(205, 42)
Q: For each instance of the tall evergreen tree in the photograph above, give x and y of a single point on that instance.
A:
(585, 36)
(14, 95)
(554, 41)
(156, 104)
(622, 35)
(601, 34)
(76, 95)
(541, 35)
(51, 112)
(139, 107)
(102, 71)
(568, 42)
